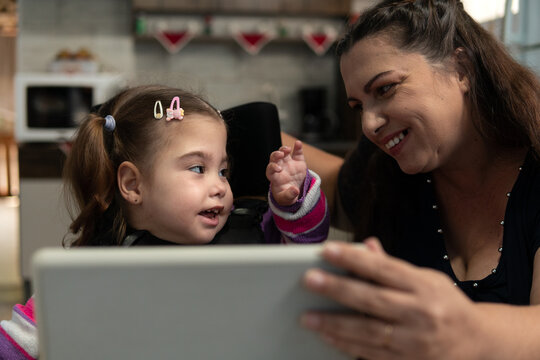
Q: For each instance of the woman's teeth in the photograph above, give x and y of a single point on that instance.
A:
(394, 141)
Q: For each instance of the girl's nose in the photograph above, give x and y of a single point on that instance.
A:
(372, 122)
(219, 186)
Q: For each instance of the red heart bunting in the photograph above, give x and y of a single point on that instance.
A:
(252, 42)
(319, 41)
(173, 41)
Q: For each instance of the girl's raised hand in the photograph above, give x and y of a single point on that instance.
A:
(286, 172)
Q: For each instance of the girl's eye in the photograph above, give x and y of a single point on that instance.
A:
(198, 169)
(224, 173)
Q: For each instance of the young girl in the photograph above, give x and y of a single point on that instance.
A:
(143, 172)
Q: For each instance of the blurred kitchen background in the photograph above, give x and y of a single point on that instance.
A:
(229, 51)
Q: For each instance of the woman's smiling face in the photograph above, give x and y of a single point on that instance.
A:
(413, 111)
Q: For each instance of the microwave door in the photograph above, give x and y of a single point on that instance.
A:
(57, 106)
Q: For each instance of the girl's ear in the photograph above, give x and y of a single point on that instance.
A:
(462, 63)
(129, 182)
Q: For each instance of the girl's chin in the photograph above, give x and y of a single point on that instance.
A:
(204, 241)
(194, 241)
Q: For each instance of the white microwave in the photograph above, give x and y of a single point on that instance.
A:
(50, 106)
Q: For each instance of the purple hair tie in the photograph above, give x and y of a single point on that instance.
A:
(110, 123)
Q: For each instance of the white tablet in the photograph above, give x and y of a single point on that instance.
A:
(192, 303)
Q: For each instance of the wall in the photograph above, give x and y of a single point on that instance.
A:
(9, 244)
(221, 71)
(224, 73)
(7, 69)
(46, 26)
(528, 37)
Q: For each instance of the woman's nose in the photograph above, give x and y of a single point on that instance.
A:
(372, 122)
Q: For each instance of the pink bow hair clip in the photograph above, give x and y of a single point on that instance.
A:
(173, 113)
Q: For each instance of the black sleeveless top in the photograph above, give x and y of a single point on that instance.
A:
(408, 224)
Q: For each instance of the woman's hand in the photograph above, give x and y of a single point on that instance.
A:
(403, 312)
(286, 172)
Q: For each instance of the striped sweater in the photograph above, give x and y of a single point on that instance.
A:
(306, 221)
(18, 336)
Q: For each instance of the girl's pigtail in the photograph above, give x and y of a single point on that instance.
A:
(90, 178)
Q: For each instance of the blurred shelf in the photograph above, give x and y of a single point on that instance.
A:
(248, 7)
(225, 39)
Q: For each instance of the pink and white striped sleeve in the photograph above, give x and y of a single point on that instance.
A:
(306, 221)
(18, 336)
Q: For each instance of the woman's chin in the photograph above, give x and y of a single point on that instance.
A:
(412, 168)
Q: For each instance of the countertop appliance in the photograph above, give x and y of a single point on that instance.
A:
(49, 106)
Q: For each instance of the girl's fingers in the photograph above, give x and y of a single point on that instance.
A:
(292, 193)
(285, 150)
(271, 169)
(286, 197)
(297, 152)
(276, 156)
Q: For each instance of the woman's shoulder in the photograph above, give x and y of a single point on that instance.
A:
(530, 171)
(524, 203)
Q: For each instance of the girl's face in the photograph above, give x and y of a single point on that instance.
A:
(412, 111)
(186, 199)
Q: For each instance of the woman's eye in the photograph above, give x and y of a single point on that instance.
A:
(198, 169)
(383, 90)
(356, 106)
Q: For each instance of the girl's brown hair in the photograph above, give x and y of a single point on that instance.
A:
(90, 171)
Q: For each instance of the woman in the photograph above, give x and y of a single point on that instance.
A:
(449, 181)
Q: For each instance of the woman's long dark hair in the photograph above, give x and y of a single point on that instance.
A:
(503, 94)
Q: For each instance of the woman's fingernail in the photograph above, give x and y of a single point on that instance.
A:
(314, 278)
(332, 249)
(310, 321)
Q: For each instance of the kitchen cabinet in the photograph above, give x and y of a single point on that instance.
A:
(44, 217)
(281, 7)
